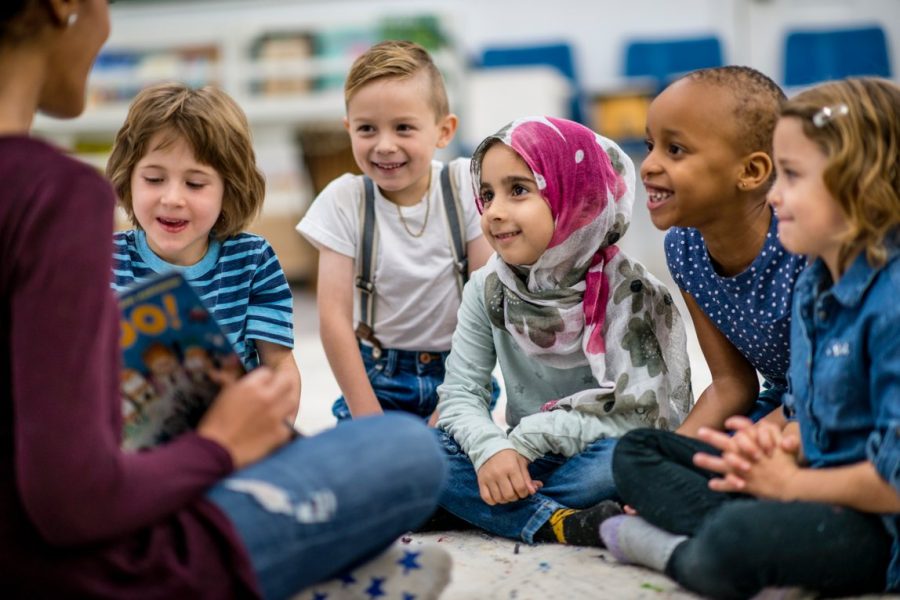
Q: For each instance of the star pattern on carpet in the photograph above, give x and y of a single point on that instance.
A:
(408, 562)
(375, 590)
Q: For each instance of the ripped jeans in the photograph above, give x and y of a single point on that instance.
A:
(322, 505)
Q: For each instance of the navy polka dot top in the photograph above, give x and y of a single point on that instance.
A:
(753, 308)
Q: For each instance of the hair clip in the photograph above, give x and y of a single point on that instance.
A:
(828, 113)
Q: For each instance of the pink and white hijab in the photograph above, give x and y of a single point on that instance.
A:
(584, 301)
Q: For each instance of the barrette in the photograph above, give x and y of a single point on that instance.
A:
(829, 113)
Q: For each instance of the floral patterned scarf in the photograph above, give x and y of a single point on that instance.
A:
(584, 301)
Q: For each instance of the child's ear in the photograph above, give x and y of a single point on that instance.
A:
(346, 122)
(447, 127)
(757, 170)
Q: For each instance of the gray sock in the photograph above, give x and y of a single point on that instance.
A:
(634, 540)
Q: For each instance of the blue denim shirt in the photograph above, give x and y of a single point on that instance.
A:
(844, 378)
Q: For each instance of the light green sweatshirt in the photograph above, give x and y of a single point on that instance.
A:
(465, 394)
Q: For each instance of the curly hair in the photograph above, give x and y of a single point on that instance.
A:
(215, 127)
(862, 144)
(757, 100)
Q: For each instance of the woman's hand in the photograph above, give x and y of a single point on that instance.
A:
(504, 478)
(248, 417)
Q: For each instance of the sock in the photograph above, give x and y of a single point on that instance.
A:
(403, 571)
(634, 540)
(577, 527)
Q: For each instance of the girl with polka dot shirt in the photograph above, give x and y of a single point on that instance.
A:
(708, 169)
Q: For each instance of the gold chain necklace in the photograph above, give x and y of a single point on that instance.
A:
(424, 223)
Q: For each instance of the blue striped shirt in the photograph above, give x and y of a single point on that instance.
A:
(240, 280)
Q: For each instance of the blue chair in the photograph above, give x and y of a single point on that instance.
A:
(558, 56)
(814, 56)
(662, 60)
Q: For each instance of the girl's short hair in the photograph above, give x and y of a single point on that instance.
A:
(397, 59)
(856, 123)
(217, 131)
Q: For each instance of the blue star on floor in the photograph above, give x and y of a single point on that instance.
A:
(374, 590)
(408, 596)
(409, 561)
(347, 579)
(321, 596)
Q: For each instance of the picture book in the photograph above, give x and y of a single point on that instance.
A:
(170, 342)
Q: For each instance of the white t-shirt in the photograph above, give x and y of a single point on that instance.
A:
(416, 295)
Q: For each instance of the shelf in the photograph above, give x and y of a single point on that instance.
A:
(325, 107)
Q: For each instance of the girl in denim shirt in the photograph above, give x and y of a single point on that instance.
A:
(817, 504)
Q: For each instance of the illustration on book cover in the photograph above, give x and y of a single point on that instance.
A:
(170, 343)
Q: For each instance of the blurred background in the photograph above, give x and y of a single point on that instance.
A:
(595, 61)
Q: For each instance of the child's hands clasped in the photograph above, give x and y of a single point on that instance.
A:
(504, 478)
(248, 416)
(758, 459)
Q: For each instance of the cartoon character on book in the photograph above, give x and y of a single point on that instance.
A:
(137, 390)
(166, 373)
(197, 363)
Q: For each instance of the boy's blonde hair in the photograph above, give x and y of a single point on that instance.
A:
(400, 60)
(856, 123)
(215, 127)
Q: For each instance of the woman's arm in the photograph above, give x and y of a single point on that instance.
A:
(74, 481)
(734, 385)
(335, 300)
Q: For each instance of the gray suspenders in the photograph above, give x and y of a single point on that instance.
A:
(368, 243)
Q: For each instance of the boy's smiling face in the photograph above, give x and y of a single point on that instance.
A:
(394, 132)
(694, 159)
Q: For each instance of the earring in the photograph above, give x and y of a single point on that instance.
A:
(73, 18)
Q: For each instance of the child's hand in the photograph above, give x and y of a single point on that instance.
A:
(248, 416)
(504, 478)
(757, 460)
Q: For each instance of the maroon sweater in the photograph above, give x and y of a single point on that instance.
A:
(78, 517)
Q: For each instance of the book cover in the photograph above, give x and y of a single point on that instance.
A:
(170, 342)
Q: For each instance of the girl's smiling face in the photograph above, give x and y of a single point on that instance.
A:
(176, 199)
(515, 218)
(810, 221)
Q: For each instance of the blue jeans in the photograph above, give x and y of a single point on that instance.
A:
(404, 380)
(577, 482)
(322, 505)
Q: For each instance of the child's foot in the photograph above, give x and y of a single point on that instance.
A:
(634, 540)
(577, 527)
(402, 572)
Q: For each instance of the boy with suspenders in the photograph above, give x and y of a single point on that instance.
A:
(396, 244)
